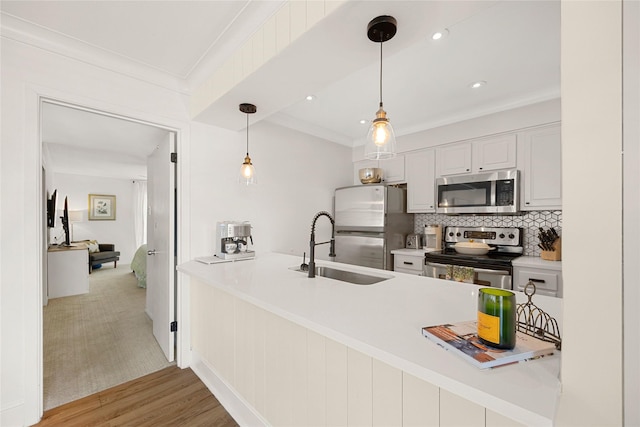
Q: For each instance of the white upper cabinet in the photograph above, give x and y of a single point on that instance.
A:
(420, 170)
(481, 155)
(541, 168)
(453, 159)
(494, 153)
(535, 152)
(392, 169)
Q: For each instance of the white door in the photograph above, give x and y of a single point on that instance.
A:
(161, 244)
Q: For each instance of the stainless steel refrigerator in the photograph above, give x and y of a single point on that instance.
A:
(370, 221)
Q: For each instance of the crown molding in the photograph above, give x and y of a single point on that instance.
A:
(21, 31)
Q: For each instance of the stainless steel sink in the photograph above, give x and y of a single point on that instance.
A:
(346, 276)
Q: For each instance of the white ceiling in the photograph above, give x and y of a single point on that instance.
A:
(82, 142)
(512, 45)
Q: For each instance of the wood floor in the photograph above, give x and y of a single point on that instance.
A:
(170, 397)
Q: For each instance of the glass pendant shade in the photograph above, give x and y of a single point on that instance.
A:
(381, 140)
(247, 172)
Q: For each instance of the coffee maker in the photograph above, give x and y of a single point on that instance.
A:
(433, 237)
(232, 240)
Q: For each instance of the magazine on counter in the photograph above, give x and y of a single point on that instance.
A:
(462, 339)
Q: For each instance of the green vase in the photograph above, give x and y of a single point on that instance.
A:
(497, 318)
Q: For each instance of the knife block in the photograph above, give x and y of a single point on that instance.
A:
(555, 255)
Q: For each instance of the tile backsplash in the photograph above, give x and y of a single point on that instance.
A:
(529, 222)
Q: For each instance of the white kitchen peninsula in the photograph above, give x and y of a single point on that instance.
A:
(298, 351)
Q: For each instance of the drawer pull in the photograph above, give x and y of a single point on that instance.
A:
(407, 263)
(536, 280)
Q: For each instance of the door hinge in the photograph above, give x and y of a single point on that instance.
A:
(174, 157)
(174, 326)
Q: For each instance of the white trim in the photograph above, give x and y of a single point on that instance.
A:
(631, 210)
(184, 356)
(19, 30)
(34, 391)
(241, 411)
(183, 214)
(33, 346)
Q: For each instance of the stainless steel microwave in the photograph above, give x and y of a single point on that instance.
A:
(486, 193)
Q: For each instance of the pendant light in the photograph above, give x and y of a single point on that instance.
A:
(381, 140)
(247, 171)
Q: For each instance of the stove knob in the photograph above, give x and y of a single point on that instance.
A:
(451, 233)
(501, 235)
(458, 234)
(512, 236)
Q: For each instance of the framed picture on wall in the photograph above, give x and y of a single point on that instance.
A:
(102, 207)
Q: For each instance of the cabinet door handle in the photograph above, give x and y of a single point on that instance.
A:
(407, 263)
(536, 280)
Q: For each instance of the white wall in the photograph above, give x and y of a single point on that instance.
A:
(119, 232)
(26, 73)
(296, 174)
(592, 375)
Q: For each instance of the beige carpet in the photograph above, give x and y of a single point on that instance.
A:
(97, 340)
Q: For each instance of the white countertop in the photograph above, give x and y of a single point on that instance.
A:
(384, 320)
(537, 262)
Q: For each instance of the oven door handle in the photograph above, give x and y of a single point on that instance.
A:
(477, 270)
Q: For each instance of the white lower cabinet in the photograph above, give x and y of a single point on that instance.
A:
(360, 388)
(292, 376)
(456, 411)
(387, 395)
(337, 381)
(420, 402)
(410, 264)
(493, 419)
(316, 380)
(547, 282)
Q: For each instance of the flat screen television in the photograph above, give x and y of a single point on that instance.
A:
(51, 210)
(65, 223)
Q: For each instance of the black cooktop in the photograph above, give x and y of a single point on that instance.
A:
(491, 260)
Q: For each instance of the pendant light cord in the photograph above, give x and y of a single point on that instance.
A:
(381, 73)
(247, 134)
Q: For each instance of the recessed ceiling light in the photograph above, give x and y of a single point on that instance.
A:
(439, 34)
(476, 85)
(310, 97)
(363, 121)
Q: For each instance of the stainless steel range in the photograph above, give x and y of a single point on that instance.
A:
(493, 269)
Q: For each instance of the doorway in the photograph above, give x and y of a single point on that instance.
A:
(100, 152)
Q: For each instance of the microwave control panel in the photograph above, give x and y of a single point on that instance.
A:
(505, 192)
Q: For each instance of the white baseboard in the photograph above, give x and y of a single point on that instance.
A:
(243, 413)
(13, 415)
